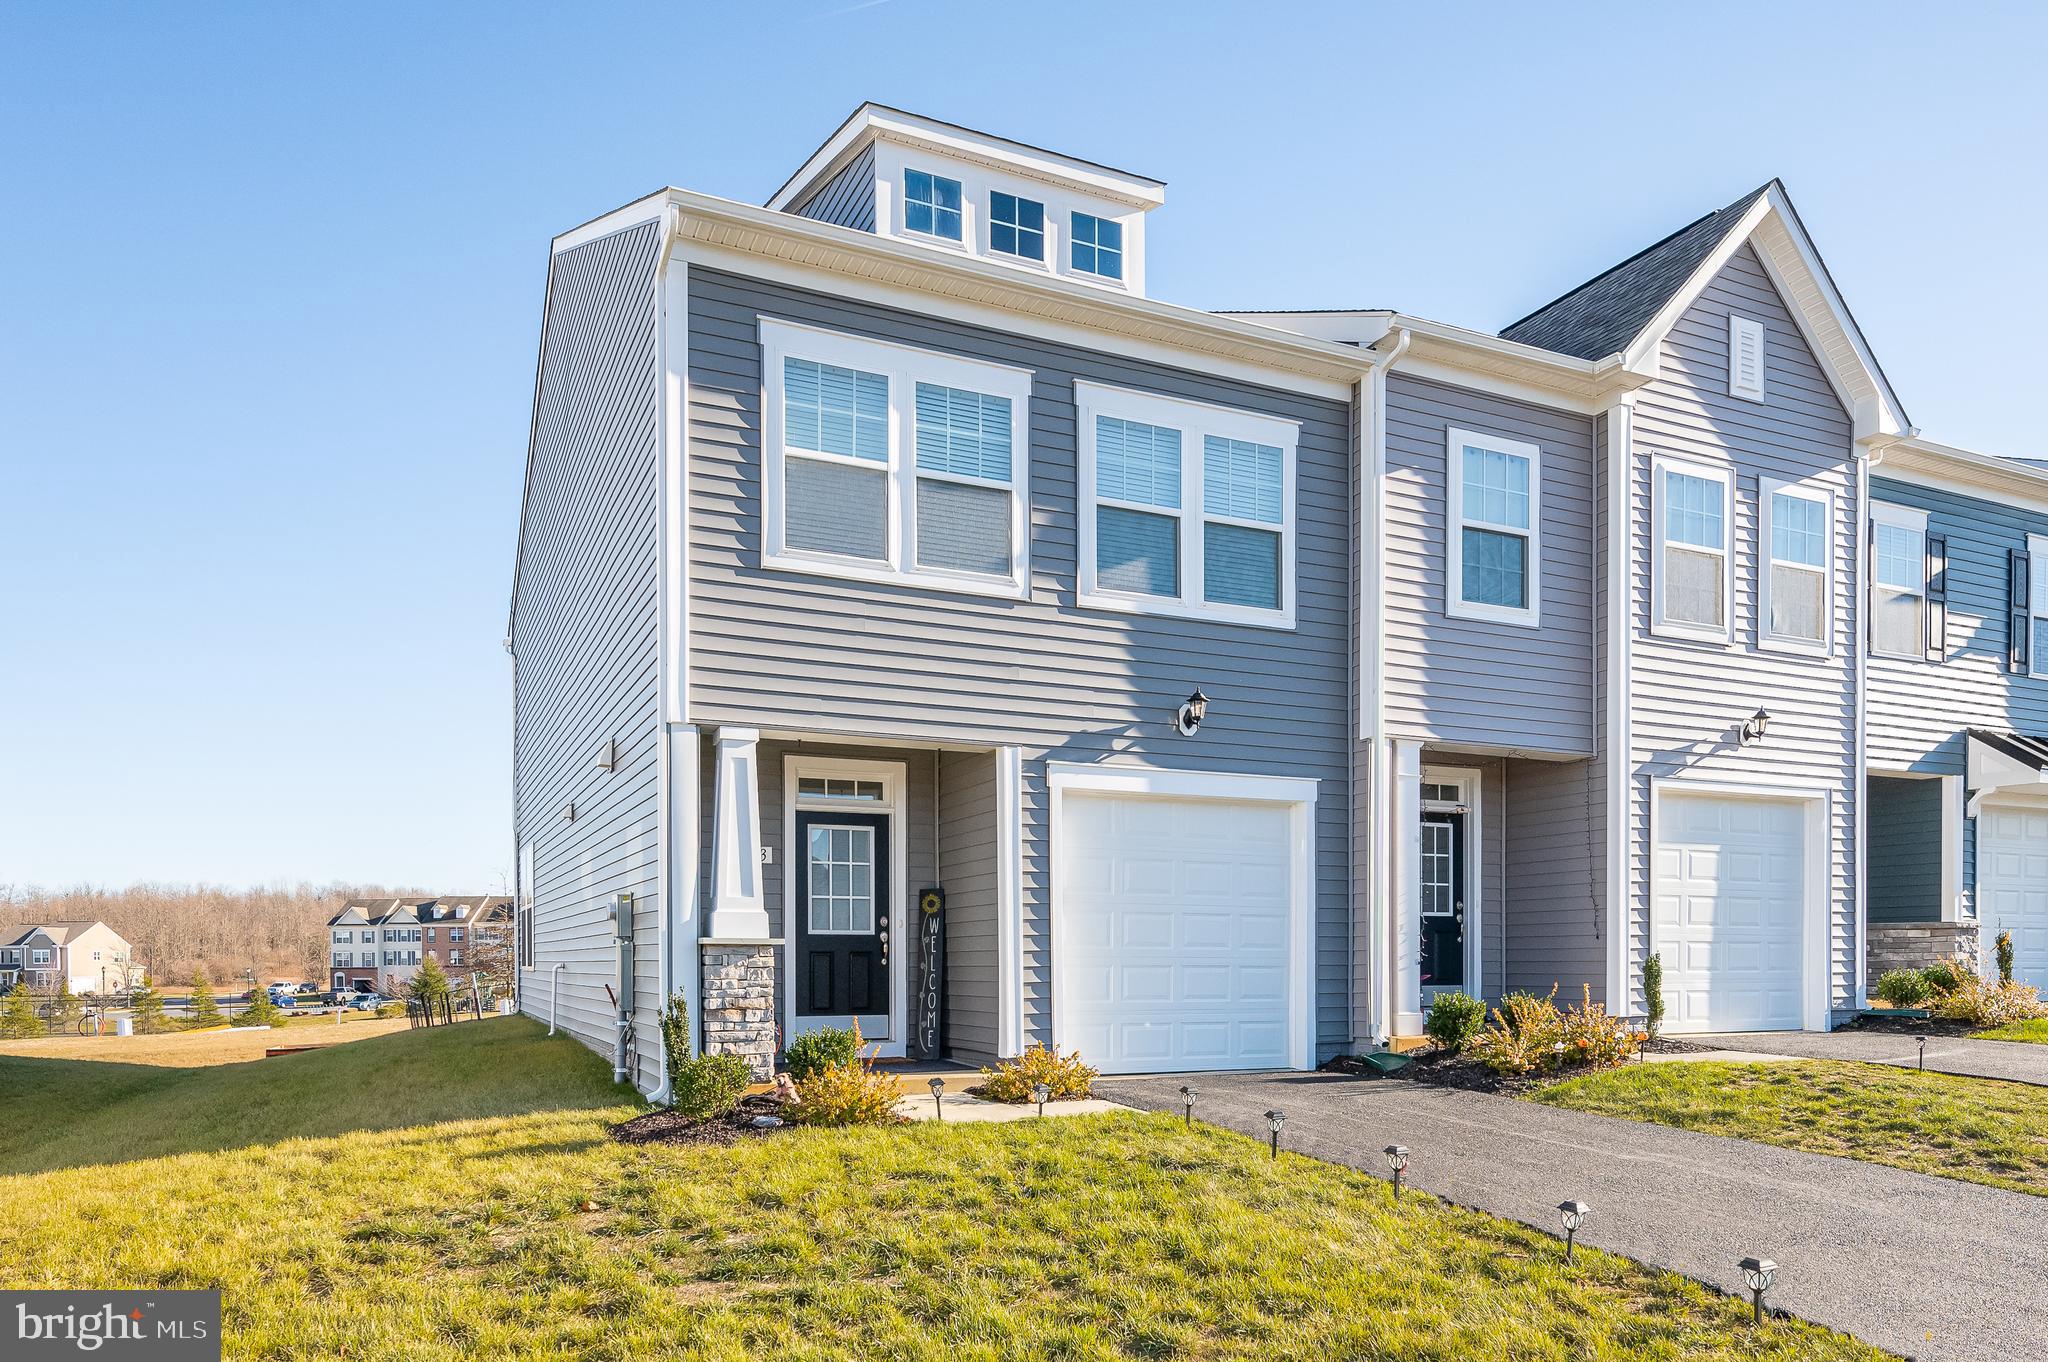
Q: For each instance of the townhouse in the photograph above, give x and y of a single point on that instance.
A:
(88, 957)
(916, 623)
(379, 944)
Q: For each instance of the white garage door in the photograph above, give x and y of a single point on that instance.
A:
(1730, 892)
(2012, 877)
(1172, 933)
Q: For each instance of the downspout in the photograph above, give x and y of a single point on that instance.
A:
(671, 226)
(554, 991)
(1373, 715)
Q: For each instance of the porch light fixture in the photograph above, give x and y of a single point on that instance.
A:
(1759, 1273)
(1574, 1214)
(1275, 1119)
(1755, 726)
(938, 1086)
(1187, 1106)
(1188, 718)
(1040, 1094)
(1397, 1159)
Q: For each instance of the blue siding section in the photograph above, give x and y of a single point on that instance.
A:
(1905, 849)
(848, 198)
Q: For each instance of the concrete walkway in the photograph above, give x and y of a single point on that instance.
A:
(1924, 1266)
(2015, 1061)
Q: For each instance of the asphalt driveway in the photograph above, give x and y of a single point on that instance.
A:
(2014, 1061)
(1927, 1267)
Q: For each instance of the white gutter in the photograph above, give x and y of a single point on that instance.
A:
(1620, 839)
(668, 642)
(1861, 823)
(1372, 635)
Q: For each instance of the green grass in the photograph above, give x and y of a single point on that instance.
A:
(2034, 1031)
(450, 1193)
(1978, 1130)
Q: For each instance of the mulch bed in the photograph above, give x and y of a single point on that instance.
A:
(1911, 1026)
(1462, 1070)
(671, 1127)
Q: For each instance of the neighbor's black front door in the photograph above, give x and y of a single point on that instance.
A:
(1443, 900)
(840, 896)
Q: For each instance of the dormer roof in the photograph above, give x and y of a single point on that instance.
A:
(873, 121)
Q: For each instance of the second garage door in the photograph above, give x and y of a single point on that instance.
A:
(1173, 932)
(1729, 898)
(2012, 881)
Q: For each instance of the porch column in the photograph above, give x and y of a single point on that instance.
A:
(736, 996)
(1406, 928)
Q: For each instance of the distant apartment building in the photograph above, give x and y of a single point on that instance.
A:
(91, 956)
(378, 944)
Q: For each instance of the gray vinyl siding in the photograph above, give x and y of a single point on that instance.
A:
(1689, 698)
(848, 198)
(586, 640)
(1461, 682)
(791, 650)
(1556, 921)
(1905, 849)
(967, 869)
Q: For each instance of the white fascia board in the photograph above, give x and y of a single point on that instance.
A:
(1946, 468)
(871, 121)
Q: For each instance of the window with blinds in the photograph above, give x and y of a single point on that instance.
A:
(1794, 576)
(1495, 525)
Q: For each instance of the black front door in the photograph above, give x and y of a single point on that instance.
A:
(840, 896)
(1443, 900)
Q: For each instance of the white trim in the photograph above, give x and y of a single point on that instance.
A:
(1009, 902)
(904, 367)
(1766, 560)
(1620, 861)
(1297, 793)
(1529, 616)
(1816, 932)
(1404, 946)
(1471, 783)
(1724, 633)
(738, 909)
(894, 777)
(1859, 651)
(1913, 520)
(2037, 600)
(1747, 330)
(1194, 421)
(1952, 795)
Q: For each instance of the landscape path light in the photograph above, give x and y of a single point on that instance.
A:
(1923, 1053)
(938, 1086)
(1574, 1214)
(1187, 1106)
(1759, 1273)
(1275, 1119)
(1040, 1093)
(1397, 1159)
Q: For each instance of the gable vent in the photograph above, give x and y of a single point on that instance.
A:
(1746, 358)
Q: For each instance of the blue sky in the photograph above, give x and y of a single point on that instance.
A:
(273, 279)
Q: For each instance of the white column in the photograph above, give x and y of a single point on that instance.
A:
(1009, 901)
(737, 910)
(1407, 866)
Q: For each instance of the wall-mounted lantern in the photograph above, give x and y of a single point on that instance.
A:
(1755, 726)
(1188, 718)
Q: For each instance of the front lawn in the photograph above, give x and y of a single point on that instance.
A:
(1975, 1129)
(452, 1193)
(2033, 1031)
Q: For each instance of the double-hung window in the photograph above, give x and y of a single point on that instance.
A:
(1691, 513)
(1795, 538)
(1097, 246)
(887, 463)
(1898, 580)
(2037, 605)
(523, 925)
(1496, 517)
(1187, 509)
(931, 205)
(1016, 226)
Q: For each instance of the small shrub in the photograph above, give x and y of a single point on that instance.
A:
(704, 1086)
(849, 1094)
(1529, 1035)
(20, 1019)
(675, 1031)
(1014, 1079)
(1653, 993)
(260, 1011)
(1945, 976)
(1980, 1002)
(1904, 988)
(389, 1010)
(2004, 957)
(1454, 1020)
(816, 1051)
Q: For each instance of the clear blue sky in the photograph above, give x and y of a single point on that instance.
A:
(273, 277)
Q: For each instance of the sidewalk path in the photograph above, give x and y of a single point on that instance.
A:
(2014, 1061)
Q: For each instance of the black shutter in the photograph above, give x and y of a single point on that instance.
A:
(1937, 598)
(2020, 613)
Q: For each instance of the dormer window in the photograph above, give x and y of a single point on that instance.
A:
(931, 205)
(1098, 246)
(1016, 226)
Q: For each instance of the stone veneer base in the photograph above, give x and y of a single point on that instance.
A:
(738, 1002)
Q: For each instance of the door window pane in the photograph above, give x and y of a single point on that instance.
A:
(840, 879)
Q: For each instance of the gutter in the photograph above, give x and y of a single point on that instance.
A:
(1373, 707)
(669, 649)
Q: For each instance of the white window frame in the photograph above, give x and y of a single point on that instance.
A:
(965, 240)
(2037, 600)
(905, 367)
(1904, 518)
(523, 921)
(1528, 616)
(1194, 421)
(1724, 633)
(1739, 327)
(1766, 561)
